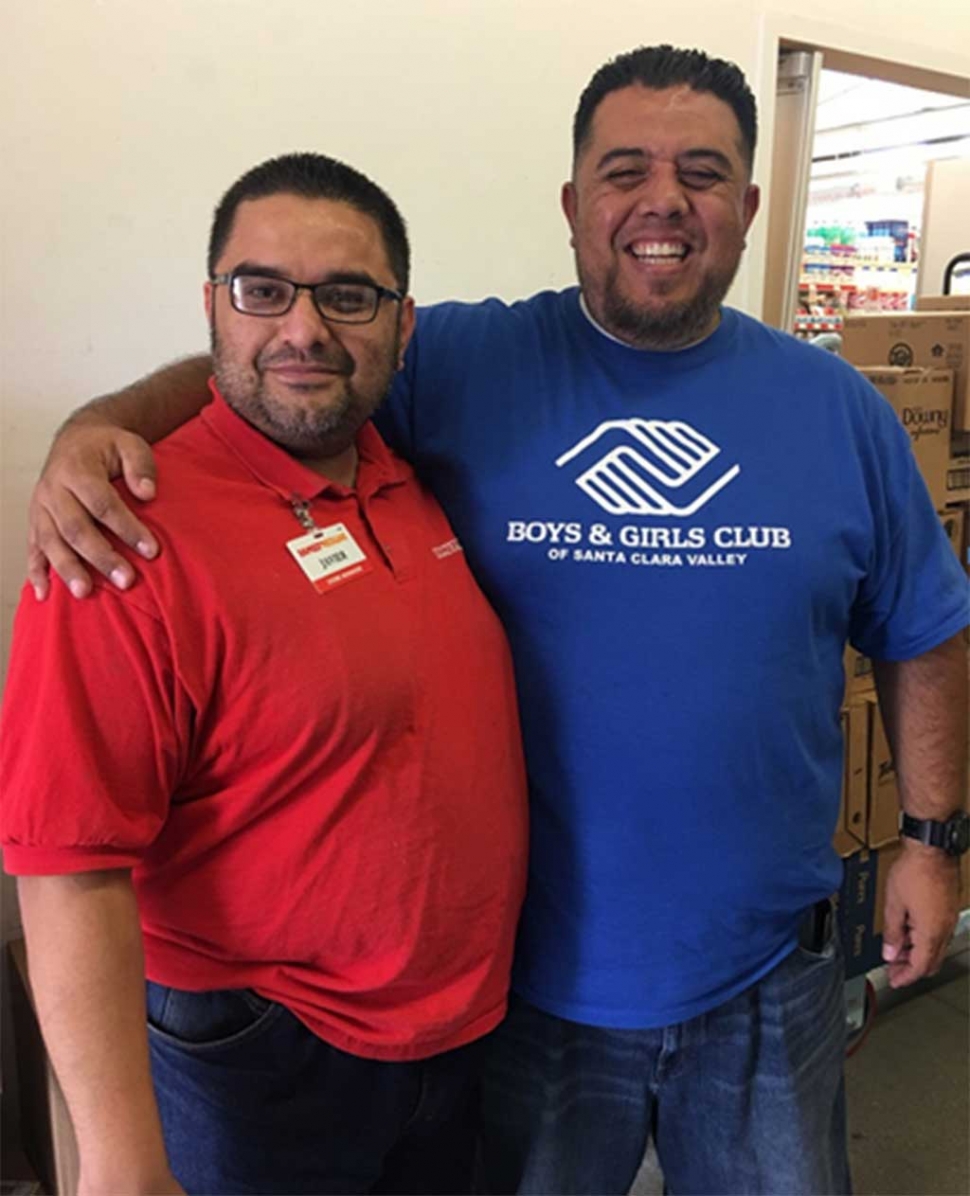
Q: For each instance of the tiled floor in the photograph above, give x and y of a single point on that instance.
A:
(908, 1094)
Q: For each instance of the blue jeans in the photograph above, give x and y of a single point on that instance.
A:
(252, 1102)
(747, 1099)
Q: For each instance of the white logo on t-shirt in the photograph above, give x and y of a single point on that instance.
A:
(645, 463)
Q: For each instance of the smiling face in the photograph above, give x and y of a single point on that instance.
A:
(659, 206)
(307, 384)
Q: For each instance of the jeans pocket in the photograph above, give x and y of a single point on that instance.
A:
(814, 976)
(205, 1021)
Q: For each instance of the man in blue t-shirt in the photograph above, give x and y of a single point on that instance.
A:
(681, 516)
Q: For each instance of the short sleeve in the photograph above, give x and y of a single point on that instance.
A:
(93, 735)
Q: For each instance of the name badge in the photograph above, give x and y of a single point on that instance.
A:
(329, 556)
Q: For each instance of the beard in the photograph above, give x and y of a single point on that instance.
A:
(664, 326)
(328, 419)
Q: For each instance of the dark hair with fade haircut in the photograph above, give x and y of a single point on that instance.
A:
(315, 176)
(660, 67)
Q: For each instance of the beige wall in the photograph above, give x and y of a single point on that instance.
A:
(122, 121)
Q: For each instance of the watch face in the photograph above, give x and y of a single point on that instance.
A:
(958, 834)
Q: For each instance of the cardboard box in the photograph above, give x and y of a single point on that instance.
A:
(850, 830)
(843, 842)
(924, 339)
(923, 400)
(958, 480)
(943, 302)
(855, 912)
(882, 818)
(858, 673)
(860, 908)
(954, 520)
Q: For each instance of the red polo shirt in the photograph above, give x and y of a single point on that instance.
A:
(317, 780)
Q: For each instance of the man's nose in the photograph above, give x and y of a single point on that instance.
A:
(662, 194)
(303, 325)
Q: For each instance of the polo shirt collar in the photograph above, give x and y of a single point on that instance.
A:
(275, 467)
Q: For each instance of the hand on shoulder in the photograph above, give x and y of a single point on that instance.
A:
(74, 498)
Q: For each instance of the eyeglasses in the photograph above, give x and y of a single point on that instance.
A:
(337, 302)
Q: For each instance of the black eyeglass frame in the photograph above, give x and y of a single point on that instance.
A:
(227, 280)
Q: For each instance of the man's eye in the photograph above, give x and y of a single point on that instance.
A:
(347, 300)
(625, 176)
(260, 291)
(700, 178)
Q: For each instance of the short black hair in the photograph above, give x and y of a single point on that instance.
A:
(660, 67)
(315, 176)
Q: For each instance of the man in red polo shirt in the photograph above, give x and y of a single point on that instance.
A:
(281, 776)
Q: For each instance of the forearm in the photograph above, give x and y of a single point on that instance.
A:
(86, 970)
(925, 709)
(155, 405)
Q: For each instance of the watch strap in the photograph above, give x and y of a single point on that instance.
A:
(952, 836)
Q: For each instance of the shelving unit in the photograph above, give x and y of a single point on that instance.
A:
(811, 325)
(839, 280)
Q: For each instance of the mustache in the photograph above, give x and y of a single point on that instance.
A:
(332, 357)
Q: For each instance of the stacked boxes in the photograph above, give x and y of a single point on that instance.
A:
(958, 480)
(943, 302)
(850, 832)
(923, 400)
(921, 363)
(882, 808)
(869, 816)
(921, 340)
(858, 674)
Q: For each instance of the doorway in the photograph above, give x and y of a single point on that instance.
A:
(869, 191)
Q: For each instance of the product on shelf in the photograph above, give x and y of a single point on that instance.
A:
(846, 270)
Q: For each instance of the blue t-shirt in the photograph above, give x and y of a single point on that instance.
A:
(679, 545)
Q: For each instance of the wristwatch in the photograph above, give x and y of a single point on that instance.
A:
(953, 836)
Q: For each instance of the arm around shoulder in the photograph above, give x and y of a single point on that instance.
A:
(103, 440)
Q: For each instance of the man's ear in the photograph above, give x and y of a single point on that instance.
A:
(208, 300)
(752, 202)
(569, 204)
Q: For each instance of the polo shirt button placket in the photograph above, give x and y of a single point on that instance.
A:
(381, 541)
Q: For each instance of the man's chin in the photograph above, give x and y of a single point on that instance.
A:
(661, 325)
(321, 440)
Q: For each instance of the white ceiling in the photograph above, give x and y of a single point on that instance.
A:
(872, 136)
(846, 100)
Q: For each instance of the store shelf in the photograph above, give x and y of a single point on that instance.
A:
(805, 283)
(841, 261)
(813, 324)
(838, 282)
